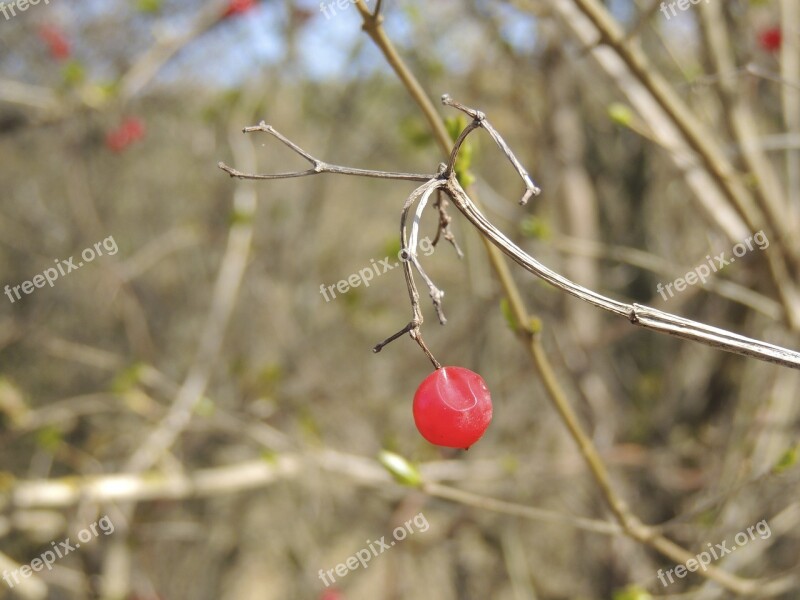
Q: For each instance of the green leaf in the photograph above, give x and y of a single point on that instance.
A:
(48, 438)
(269, 456)
(270, 376)
(148, 6)
(73, 73)
(632, 592)
(509, 464)
(415, 132)
(239, 217)
(205, 407)
(621, 114)
(454, 126)
(788, 460)
(535, 227)
(127, 379)
(508, 314)
(399, 468)
(392, 247)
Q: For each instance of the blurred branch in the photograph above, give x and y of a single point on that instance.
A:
(156, 250)
(696, 134)
(147, 66)
(318, 165)
(655, 264)
(517, 510)
(790, 99)
(597, 30)
(138, 75)
(643, 18)
(68, 491)
(97, 358)
(709, 197)
(25, 94)
(226, 288)
(738, 111)
(372, 24)
(257, 474)
(32, 588)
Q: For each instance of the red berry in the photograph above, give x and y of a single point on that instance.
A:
(452, 407)
(134, 128)
(130, 130)
(116, 140)
(770, 39)
(56, 42)
(237, 7)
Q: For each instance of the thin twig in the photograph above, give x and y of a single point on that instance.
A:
(444, 224)
(318, 165)
(414, 326)
(479, 120)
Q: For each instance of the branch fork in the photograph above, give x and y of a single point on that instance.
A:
(444, 181)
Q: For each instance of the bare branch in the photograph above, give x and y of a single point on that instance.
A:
(444, 224)
(637, 314)
(479, 120)
(423, 192)
(318, 165)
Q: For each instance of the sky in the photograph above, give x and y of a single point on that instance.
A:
(247, 43)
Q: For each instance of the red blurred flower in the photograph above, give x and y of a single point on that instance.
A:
(131, 129)
(332, 594)
(134, 127)
(57, 42)
(238, 7)
(770, 39)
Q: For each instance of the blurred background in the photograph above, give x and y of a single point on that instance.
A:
(191, 385)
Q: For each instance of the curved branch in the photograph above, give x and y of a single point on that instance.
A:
(647, 317)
